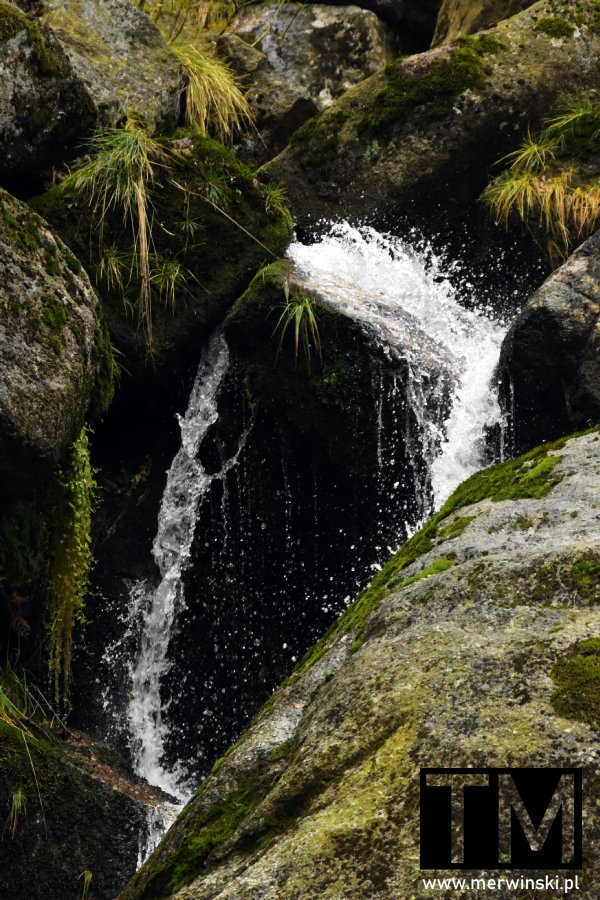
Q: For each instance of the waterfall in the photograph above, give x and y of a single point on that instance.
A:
(187, 481)
(404, 296)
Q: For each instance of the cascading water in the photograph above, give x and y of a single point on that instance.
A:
(268, 546)
(187, 481)
(406, 298)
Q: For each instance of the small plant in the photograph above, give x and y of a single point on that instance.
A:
(87, 876)
(124, 164)
(71, 564)
(299, 312)
(274, 200)
(545, 188)
(214, 101)
(168, 275)
(17, 809)
(113, 267)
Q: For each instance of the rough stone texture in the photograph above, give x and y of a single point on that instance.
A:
(550, 360)
(44, 107)
(297, 60)
(320, 796)
(121, 57)
(458, 17)
(418, 139)
(417, 16)
(49, 358)
(81, 814)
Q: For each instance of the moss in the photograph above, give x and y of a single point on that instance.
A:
(440, 565)
(577, 682)
(47, 60)
(107, 373)
(320, 136)
(283, 750)
(585, 573)
(555, 27)
(524, 523)
(455, 529)
(203, 833)
(55, 318)
(433, 95)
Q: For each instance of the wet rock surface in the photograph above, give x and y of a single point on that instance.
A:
(549, 366)
(450, 659)
(460, 17)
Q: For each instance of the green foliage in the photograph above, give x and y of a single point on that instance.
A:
(87, 876)
(45, 59)
(440, 565)
(577, 683)
(555, 27)
(455, 529)
(71, 563)
(544, 186)
(214, 101)
(17, 809)
(274, 200)
(124, 163)
(299, 312)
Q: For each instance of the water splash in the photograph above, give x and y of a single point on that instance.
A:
(404, 295)
(187, 481)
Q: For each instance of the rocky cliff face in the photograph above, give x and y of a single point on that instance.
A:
(463, 652)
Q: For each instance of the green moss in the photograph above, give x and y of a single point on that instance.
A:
(455, 529)
(47, 60)
(107, 373)
(524, 523)
(440, 565)
(283, 751)
(55, 318)
(320, 136)
(433, 95)
(577, 681)
(203, 833)
(555, 27)
(585, 573)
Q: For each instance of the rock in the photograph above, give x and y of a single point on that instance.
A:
(549, 365)
(463, 652)
(416, 141)
(416, 16)
(217, 252)
(44, 108)
(80, 814)
(460, 17)
(121, 57)
(51, 359)
(296, 60)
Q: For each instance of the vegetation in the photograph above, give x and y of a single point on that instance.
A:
(299, 312)
(214, 101)
(71, 563)
(17, 810)
(577, 682)
(124, 163)
(547, 186)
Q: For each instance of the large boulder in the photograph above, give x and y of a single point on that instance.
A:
(550, 364)
(119, 54)
(51, 340)
(295, 60)
(477, 645)
(45, 110)
(459, 17)
(418, 139)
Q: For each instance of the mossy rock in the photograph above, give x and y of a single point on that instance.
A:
(71, 822)
(218, 244)
(44, 107)
(122, 58)
(417, 140)
(450, 667)
(457, 18)
(54, 359)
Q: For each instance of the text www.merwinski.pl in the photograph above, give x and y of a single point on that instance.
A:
(565, 885)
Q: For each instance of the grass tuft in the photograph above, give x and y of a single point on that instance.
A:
(299, 312)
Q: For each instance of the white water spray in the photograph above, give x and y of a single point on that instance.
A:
(404, 296)
(187, 481)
